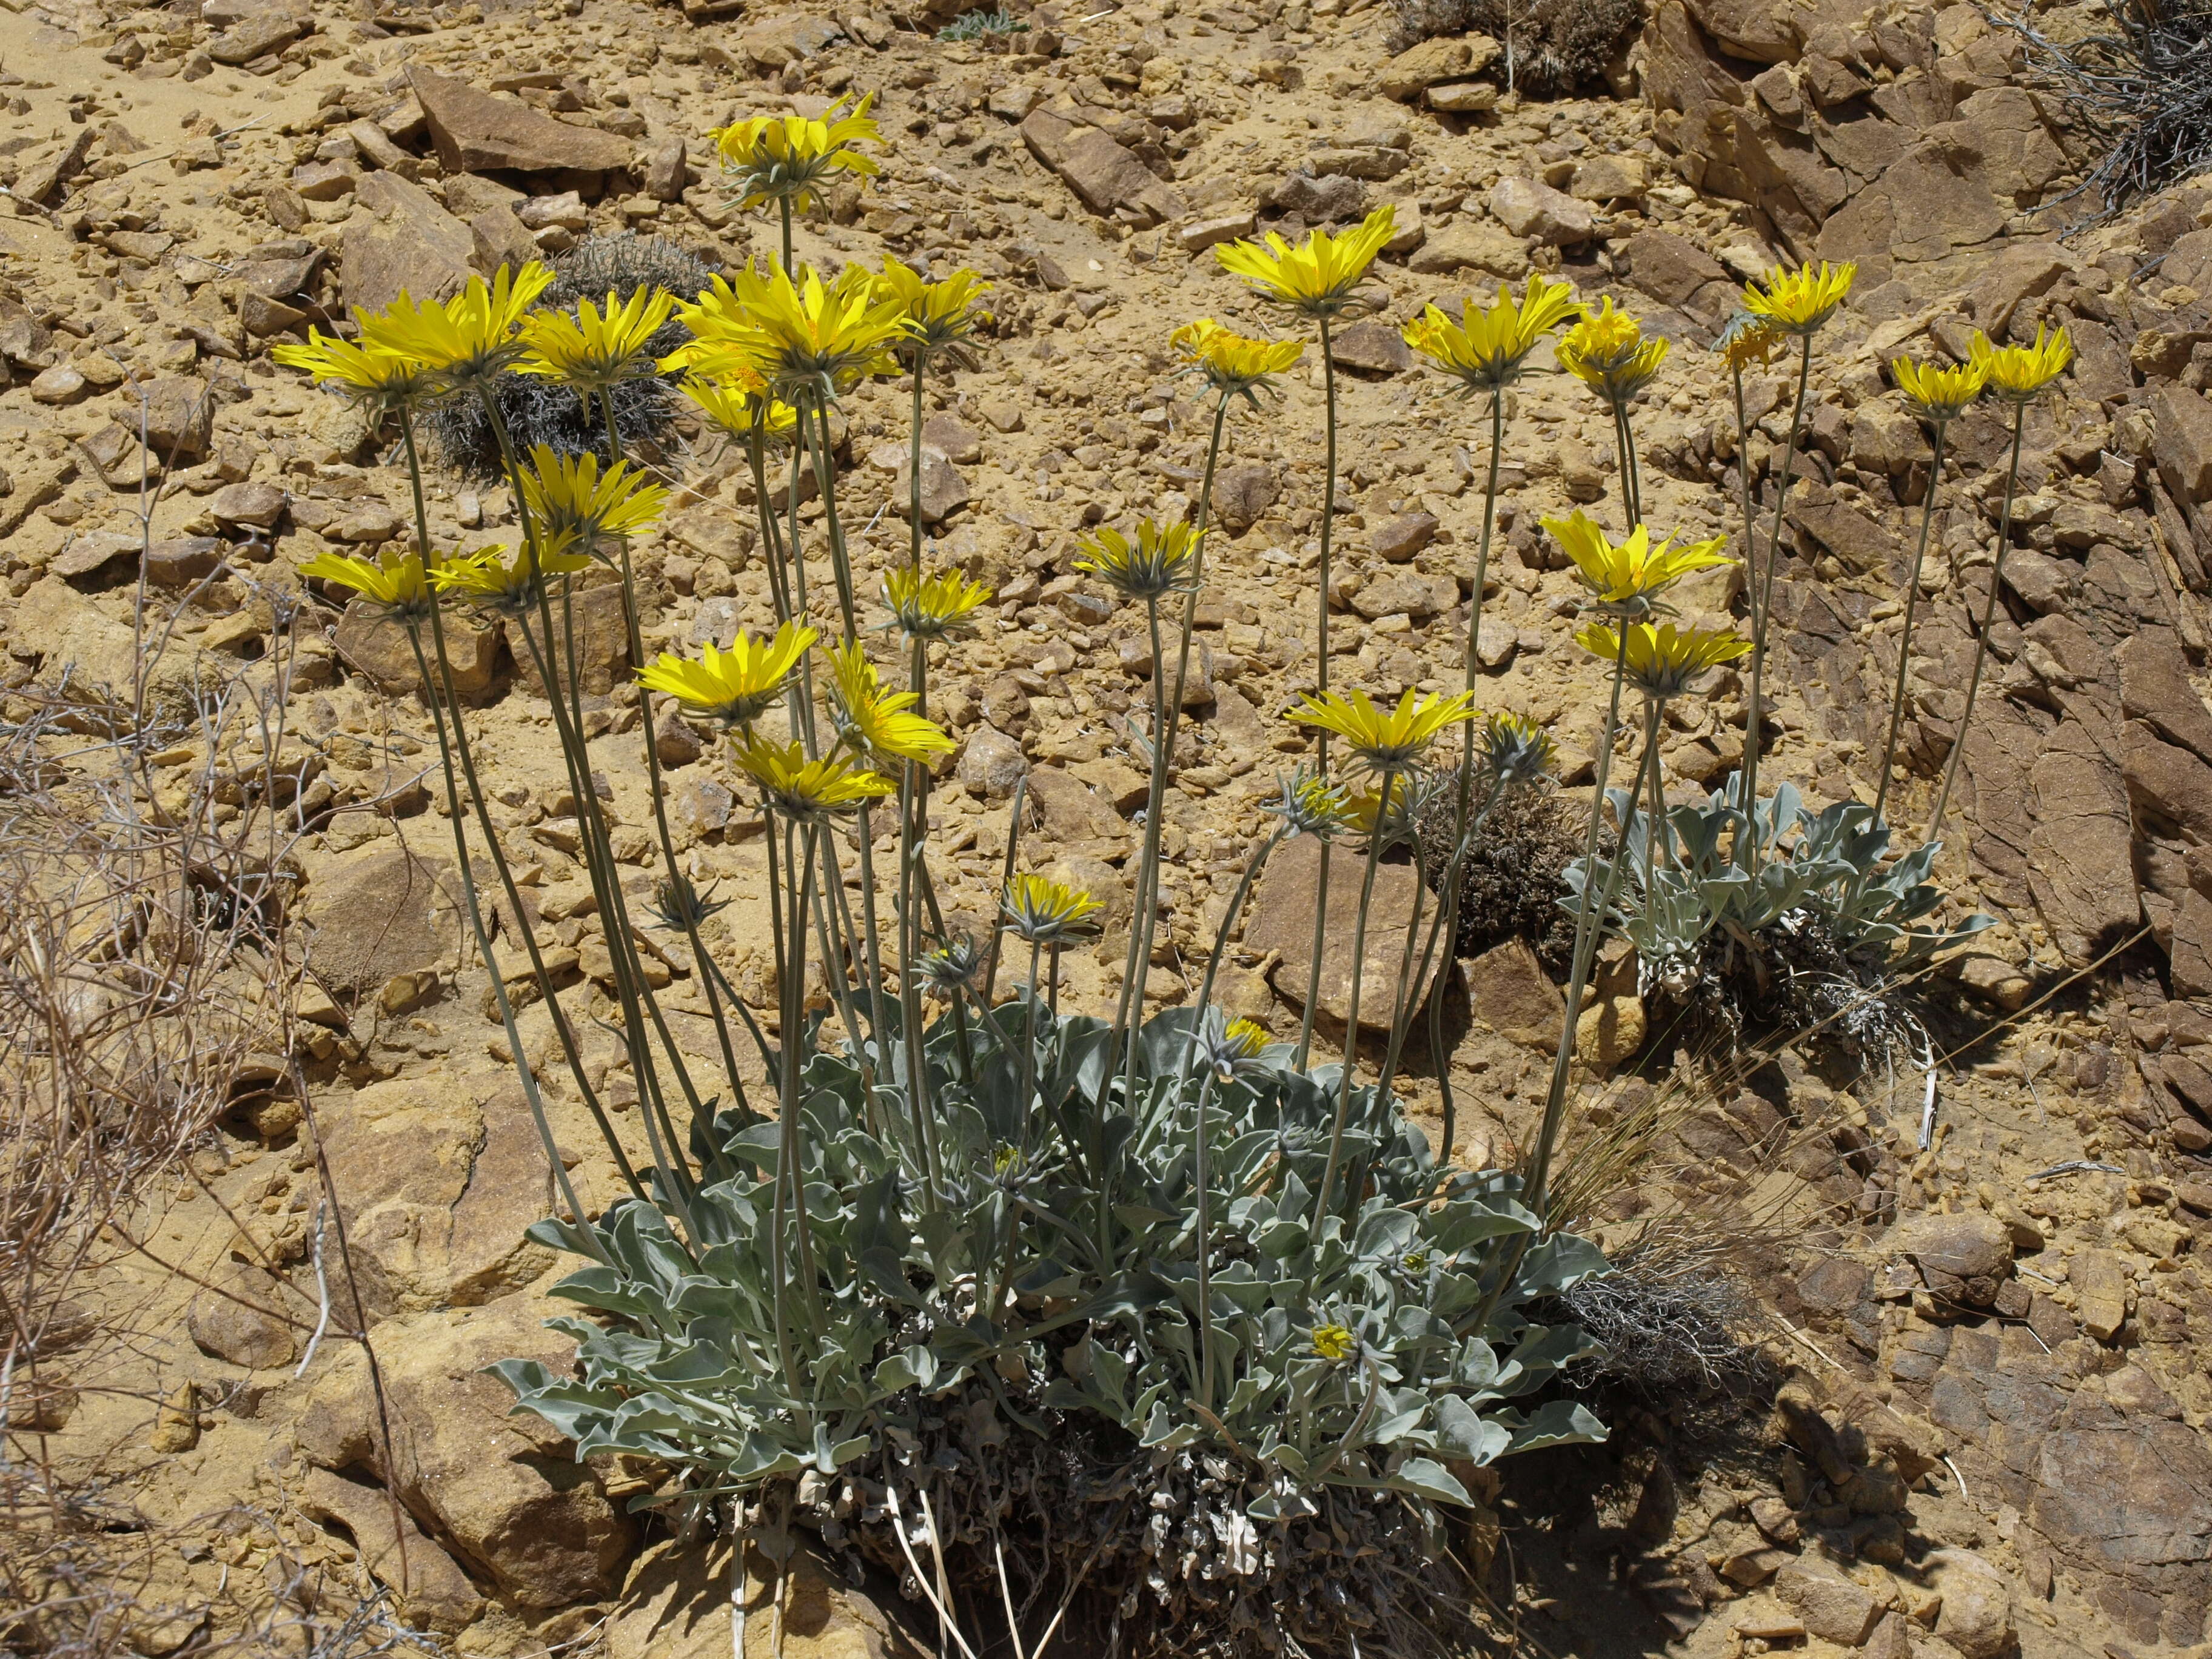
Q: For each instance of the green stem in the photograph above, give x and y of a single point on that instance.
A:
(1904, 641)
(1136, 970)
(1321, 687)
(1200, 1176)
(1221, 936)
(1763, 611)
(1351, 1007)
(1989, 620)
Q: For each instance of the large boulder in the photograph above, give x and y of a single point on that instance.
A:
(1103, 173)
(1282, 920)
(374, 916)
(477, 131)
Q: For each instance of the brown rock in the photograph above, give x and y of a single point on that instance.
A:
(2022, 271)
(2183, 450)
(2081, 863)
(1508, 990)
(602, 652)
(477, 132)
(1281, 919)
(257, 35)
(1832, 1608)
(1107, 177)
(182, 560)
(404, 242)
(1445, 58)
(1373, 347)
(1479, 245)
(945, 490)
(2128, 1504)
(1401, 538)
(992, 764)
(498, 238)
(666, 172)
(1971, 1245)
(676, 1605)
(1402, 591)
(1069, 812)
(1243, 493)
(256, 506)
(1675, 272)
(433, 1592)
(1975, 1618)
(2166, 780)
(1528, 209)
(179, 418)
(372, 644)
(2105, 1290)
(239, 1315)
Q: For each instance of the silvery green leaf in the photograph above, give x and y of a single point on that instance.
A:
(1280, 1240)
(1163, 1433)
(1560, 1263)
(1461, 1432)
(1476, 1366)
(1557, 1422)
(1429, 1479)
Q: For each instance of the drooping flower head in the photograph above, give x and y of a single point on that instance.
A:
(1228, 1047)
(1486, 349)
(1160, 561)
(1334, 1343)
(1938, 393)
(1516, 750)
(468, 338)
(1234, 365)
(952, 967)
(1607, 352)
(778, 158)
(1799, 301)
(804, 338)
(370, 375)
(591, 349)
(1315, 278)
(1384, 739)
(393, 582)
(571, 501)
(939, 316)
(803, 790)
(1661, 662)
(508, 587)
(1042, 912)
(1309, 805)
(929, 607)
(874, 720)
(1389, 808)
(2018, 375)
(1629, 576)
(1748, 342)
(735, 686)
(740, 406)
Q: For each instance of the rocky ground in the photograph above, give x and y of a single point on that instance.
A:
(1990, 1427)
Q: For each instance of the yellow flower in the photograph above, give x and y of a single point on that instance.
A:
(1376, 809)
(1334, 1343)
(734, 406)
(1798, 301)
(1484, 349)
(571, 500)
(786, 157)
(1630, 574)
(1748, 343)
(1661, 662)
(1386, 740)
(1608, 352)
(1317, 277)
(1516, 749)
(1247, 1036)
(1047, 912)
(939, 315)
(806, 789)
(796, 337)
(393, 582)
(929, 607)
(1160, 561)
(510, 586)
(1938, 393)
(591, 349)
(467, 336)
(2017, 374)
(878, 722)
(733, 686)
(368, 372)
(1233, 364)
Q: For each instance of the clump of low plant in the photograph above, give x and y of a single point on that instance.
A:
(2142, 86)
(1549, 47)
(1000, 24)
(1514, 872)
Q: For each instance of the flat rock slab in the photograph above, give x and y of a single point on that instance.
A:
(1282, 919)
(474, 131)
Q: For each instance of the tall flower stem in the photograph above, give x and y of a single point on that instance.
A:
(1321, 687)
(1445, 925)
(1129, 1015)
(1655, 824)
(1236, 899)
(1904, 640)
(1202, 1181)
(1989, 620)
(1390, 775)
(1763, 609)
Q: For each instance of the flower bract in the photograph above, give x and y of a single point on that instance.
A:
(939, 315)
(738, 404)
(1161, 560)
(1318, 275)
(2018, 375)
(1748, 342)
(571, 499)
(1516, 749)
(1045, 912)
(789, 157)
(1234, 365)
(1606, 351)
(1938, 393)
(928, 607)
(1309, 805)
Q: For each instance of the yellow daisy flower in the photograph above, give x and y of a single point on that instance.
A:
(1316, 277)
(1334, 1343)
(798, 337)
(1516, 749)
(1939, 393)
(929, 607)
(789, 157)
(1799, 301)
(1661, 662)
(734, 686)
(1233, 364)
(874, 720)
(570, 499)
(467, 336)
(594, 349)
(368, 372)
(805, 789)
(1247, 1036)
(1160, 561)
(1606, 351)
(509, 586)
(1310, 805)
(734, 404)
(1386, 740)
(939, 315)
(1629, 575)
(2017, 374)
(1045, 911)
(1748, 343)
(1486, 349)
(1377, 811)
(393, 582)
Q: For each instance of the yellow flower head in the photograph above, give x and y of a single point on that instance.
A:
(1160, 561)
(1384, 739)
(2017, 374)
(1234, 365)
(594, 349)
(1385, 808)
(1798, 301)
(738, 405)
(465, 337)
(1248, 1036)
(788, 157)
(876, 721)
(798, 338)
(929, 607)
(1661, 662)
(1607, 352)
(1630, 576)
(570, 499)
(1748, 343)
(1045, 911)
(1515, 749)
(734, 686)
(509, 586)
(369, 372)
(1334, 1343)
(1316, 277)
(393, 582)
(1484, 349)
(802, 789)
(1939, 393)
(939, 316)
